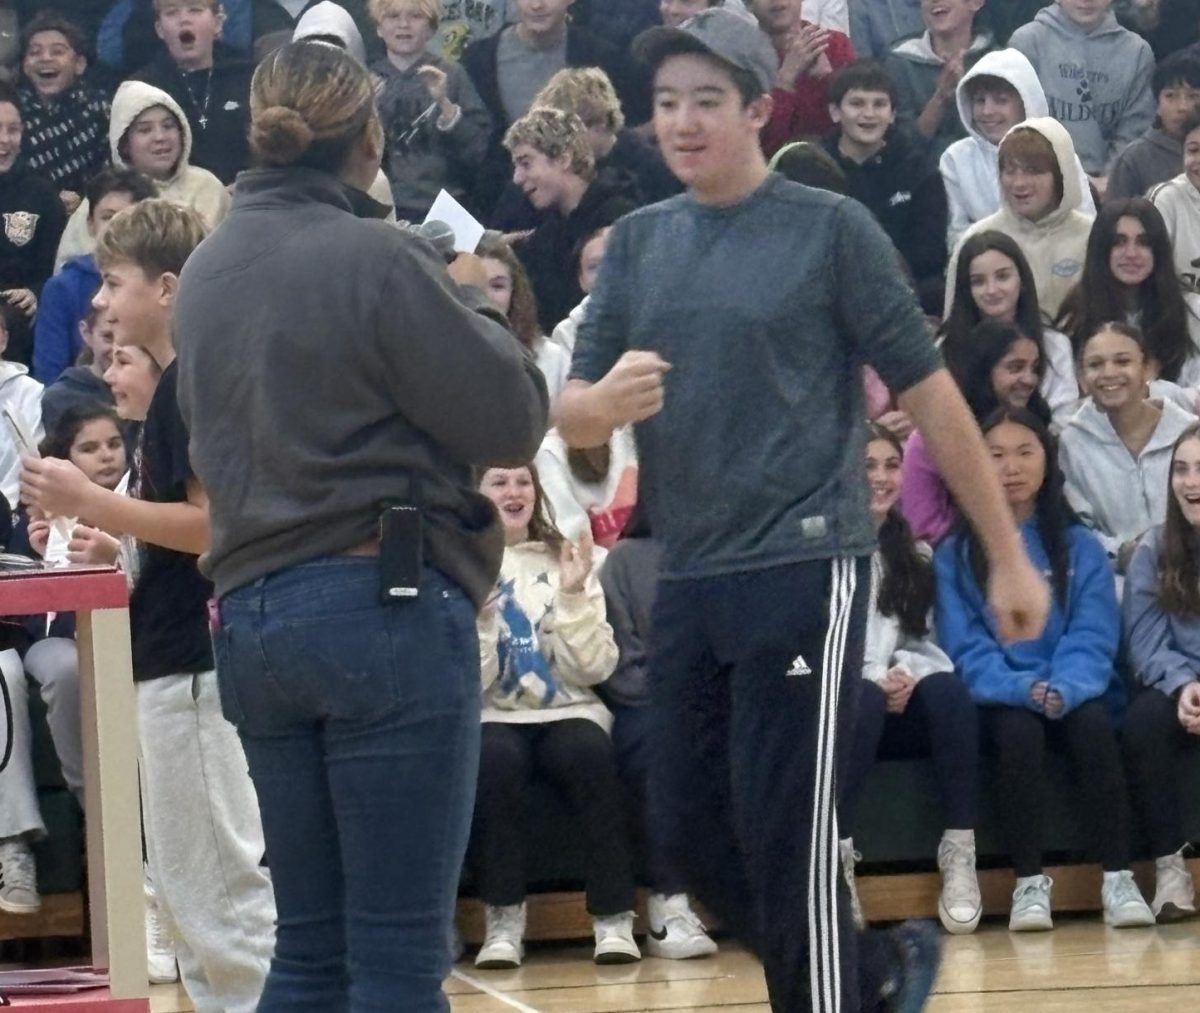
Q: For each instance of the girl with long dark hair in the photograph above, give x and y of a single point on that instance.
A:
(910, 702)
(993, 281)
(1116, 450)
(1129, 276)
(996, 365)
(1051, 692)
(1162, 629)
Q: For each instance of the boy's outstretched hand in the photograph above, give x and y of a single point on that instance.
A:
(1019, 598)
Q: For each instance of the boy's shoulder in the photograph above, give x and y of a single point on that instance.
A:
(1173, 191)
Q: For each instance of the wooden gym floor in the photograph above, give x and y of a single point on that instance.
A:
(1081, 966)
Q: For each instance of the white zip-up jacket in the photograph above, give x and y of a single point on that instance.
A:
(888, 646)
(1054, 246)
(970, 167)
(1118, 496)
(21, 394)
(570, 630)
(1178, 201)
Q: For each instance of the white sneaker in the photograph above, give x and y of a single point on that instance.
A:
(18, 878)
(1174, 889)
(675, 931)
(160, 944)
(614, 939)
(1124, 905)
(960, 905)
(503, 946)
(850, 858)
(1031, 905)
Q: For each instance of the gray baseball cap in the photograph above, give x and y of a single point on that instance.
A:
(728, 33)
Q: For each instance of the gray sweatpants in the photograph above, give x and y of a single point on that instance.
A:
(19, 812)
(204, 842)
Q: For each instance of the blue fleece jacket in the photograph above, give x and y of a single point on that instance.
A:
(65, 301)
(1076, 652)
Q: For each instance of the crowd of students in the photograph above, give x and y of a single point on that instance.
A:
(1037, 168)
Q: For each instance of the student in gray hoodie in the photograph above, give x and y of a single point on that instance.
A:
(876, 25)
(1158, 155)
(1161, 614)
(1096, 75)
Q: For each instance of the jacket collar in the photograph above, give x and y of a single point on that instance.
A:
(295, 186)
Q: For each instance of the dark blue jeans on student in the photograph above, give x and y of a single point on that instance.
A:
(361, 728)
(753, 678)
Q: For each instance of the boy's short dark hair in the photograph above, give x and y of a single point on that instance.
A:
(53, 21)
(810, 164)
(10, 95)
(118, 180)
(862, 75)
(1182, 67)
(989, 82)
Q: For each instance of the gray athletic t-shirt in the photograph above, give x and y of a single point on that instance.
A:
(522, 70)
(767, 311)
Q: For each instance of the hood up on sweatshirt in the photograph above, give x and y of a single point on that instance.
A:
(1054, 245)
(328, 20)
(187, 186)
(969, 166)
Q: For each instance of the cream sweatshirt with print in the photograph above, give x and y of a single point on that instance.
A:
(571, 632)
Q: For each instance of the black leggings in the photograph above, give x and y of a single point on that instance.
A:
(1017, 739)
(576, 756)
(940, 722)
(1155, 742)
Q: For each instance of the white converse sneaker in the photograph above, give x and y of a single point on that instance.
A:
(1031, 905)
(1124, 906)
(960, 905)
(1174, 889)
(504, 940)
(18, 878)
(675, 932)
(160, 944)
(614, 939)
(850, 858)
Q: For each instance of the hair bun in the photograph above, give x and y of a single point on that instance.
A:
(280, 135)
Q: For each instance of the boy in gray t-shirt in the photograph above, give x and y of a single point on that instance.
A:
(732, 323)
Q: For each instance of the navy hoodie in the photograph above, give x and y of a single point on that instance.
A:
(902, 187)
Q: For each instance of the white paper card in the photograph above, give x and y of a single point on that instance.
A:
(467, 231)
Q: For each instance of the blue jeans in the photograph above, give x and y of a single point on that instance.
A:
(361, 728)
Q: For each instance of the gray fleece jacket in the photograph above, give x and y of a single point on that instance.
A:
(313, 395)
(1148, 161)
(1097, 83)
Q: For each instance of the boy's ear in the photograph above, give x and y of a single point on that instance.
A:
(220, 21)
(759, 110)
(80, 65)
(168, 288)
(835, 112)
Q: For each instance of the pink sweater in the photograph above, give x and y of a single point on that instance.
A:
(924, 499)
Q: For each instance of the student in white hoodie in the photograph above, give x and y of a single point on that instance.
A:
(1178, 200)
(593, 490)
(1096, 75)
(150, 133)
(1115, 453)
(911, 703)
(544, 643)
(996, 94)
(1039, 208)
(21, 395)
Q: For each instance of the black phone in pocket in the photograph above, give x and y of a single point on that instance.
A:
(400, 553)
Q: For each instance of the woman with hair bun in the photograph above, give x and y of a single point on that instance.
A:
(341, 387)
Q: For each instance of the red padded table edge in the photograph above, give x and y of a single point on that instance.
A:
(62, 591)
(92, 1001)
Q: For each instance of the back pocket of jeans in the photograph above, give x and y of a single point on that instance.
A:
(343, 667)
(226, 681)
